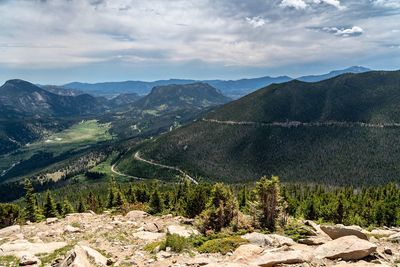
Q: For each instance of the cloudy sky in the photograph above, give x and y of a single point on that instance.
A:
(58, 41)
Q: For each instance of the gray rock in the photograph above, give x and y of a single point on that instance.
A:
(95, 256)
(7, 231)
(339, 230)
(51, 220)
(181, 231)
(71, 230)
(346, 248)
(273, 240)
(272, 258)
(28, 259)
(76, 258)
(136, 215)
(17, 247)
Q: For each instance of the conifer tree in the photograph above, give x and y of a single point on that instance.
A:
(32, 212)
(91, 201)
(81, 206)
(221, 209)
(156, 203)
(111, 193)
(50, 208)
(119, 200)
(67, 208)
(268, 201)
(243, 198)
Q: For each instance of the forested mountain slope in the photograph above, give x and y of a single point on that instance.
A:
(339, 131)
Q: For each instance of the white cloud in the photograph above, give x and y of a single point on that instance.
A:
(335, 3)
(256, 21)
(387, 3)
(297, 4)
(61, 34)
(344, 32)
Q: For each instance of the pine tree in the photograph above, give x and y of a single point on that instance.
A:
(50, 208)
(67, 208)
(156, 203)
(221, 210)
(111, 193)
(81, 206)
(32, 212)
(268, 201)
(243, 198)
(119, 200)
(59, 208)
(92, 202)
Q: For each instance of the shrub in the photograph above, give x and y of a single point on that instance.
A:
(9, 214)
(222, 245)
(297, 231)
(176, 242)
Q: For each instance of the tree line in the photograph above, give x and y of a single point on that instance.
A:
(265, 204)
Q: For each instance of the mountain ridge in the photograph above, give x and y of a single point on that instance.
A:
(319, 152)
(231, 88)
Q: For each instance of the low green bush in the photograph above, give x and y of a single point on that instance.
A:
(176, 243)
(222, 245)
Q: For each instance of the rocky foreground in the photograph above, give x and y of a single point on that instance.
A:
(88, 239)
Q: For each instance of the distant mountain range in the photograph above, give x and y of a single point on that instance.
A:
(343, 130)
(21, 98)
(29, 112)
(231, 88)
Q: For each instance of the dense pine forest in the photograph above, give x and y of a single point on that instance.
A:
(367, 206)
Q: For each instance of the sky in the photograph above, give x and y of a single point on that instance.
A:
(59, 41)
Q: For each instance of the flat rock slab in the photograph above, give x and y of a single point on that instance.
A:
(7, 231)
(272, 258)
(268, 240)
(15, 248)
(346, 248)
(245, 253)
(144, 235)
(181, 230)
(339, 230)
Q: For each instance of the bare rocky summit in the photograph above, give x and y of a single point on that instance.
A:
(88, 239)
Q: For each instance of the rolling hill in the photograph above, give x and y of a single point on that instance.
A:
(340, 131)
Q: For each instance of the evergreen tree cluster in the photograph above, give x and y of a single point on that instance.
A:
(216, 206)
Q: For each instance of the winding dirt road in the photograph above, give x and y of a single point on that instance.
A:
(138, 157)
(290, 124)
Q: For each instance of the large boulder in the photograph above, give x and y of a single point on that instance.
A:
(246, 252)
(69, 229)
(181, 231)
(15, 248)
(28, 259)
(346, 248)
(272, 258)
(95, 256)
(7, 231)
(76, 258)
(394, 238)
(136, 215)
(272, 240)
(383, 232)
(339, 230)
